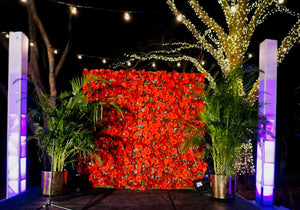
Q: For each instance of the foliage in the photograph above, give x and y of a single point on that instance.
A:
(229, 119)
(71, 123)
(226, 41)
(144, 151)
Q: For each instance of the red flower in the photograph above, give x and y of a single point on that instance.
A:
(143, 151)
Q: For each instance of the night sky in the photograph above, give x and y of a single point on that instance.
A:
(100, 32)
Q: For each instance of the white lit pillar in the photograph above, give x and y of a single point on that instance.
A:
(265, 163)
(16, 114)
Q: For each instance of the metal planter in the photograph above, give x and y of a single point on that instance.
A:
(223, 187)
(59, 182)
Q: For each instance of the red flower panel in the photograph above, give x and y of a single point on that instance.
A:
(142, 151)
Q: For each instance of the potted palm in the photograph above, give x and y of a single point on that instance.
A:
(230, 120)
(66, 131)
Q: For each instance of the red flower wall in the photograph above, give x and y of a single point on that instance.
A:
(143, 149)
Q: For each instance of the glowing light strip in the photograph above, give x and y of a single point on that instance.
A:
(16, 114)
(265, 162)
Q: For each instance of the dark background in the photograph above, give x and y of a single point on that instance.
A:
(100, 32)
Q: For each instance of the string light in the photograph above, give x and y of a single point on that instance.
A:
(179, 17)
(250, 55)
(104, 61)
(31, 44)
(128, 63)
(79, 56)
(153, 64)
(190, 59)
(73, 10)
(178, 64)
(24, 1)
(233, 9)
(126, 16)
(202, 63)
(280, 1)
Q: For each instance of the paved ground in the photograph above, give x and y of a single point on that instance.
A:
(126, 199)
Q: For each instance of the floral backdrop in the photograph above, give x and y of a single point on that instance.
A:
(143, 149)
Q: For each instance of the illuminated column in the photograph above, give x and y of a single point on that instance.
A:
(265, 162)
(16, 114)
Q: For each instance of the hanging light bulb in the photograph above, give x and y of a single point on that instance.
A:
(127, 16)
(79, 56)
(178, 64)
(153, 64)
(73, 10)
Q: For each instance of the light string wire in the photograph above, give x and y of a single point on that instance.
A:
(104, 60)
(103, 9)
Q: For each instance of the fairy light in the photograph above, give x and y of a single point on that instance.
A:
(250, 55)
(73, 10)
(179, 17)
(227, 45)
(128, 63)
(24, 1)
(55, 51)
(178, 64)
(190, 59)
(233, 9)
(202, 62)
(7, 35)
(126, 16)
(79, 56)
(104, 61)
(31, 44)
(153, 64)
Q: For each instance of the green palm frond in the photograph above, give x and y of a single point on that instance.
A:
(72, 122)
(229, 120)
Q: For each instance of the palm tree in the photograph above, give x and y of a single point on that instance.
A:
(72, 122)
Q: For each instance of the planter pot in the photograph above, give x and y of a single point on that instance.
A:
(223, 187)
(59, 182)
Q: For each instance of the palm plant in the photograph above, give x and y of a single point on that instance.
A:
(230, 120)
(72, 122)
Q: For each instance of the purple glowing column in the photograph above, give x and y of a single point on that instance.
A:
(16, 114)
(266, 145)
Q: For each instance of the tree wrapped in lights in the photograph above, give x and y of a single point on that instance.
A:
(227, 44)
